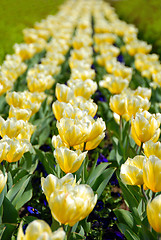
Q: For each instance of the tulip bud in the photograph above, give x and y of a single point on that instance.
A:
(68, 160)
(39, 229)
(153, 213)
(3, 180)
(132, 171)
(152, 173)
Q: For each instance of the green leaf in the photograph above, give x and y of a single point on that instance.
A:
(44, 135)
(9, 229)
(95, 173)
(102, 181)
(25, 196)
(128, 195)
(49, 166)
(125, 217)
(19, 195)
(16, 188)
(9, 212)
(130, 235)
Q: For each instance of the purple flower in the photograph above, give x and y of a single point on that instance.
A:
(120, 58)
(99, 205)
(101, 159)
(32, 210)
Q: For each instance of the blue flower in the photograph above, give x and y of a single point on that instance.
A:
(45, 148)
(32, 210)
(120, 58)
(99, 205)
(101, 159)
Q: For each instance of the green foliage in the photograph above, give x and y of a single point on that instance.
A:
(19, 14)
(145, 15)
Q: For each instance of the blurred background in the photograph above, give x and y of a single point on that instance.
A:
(146, 15)
(15, 15)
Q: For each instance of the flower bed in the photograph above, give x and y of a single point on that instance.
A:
(80, 127)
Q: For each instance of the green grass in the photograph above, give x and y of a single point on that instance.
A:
(146, 15)
(15, 15)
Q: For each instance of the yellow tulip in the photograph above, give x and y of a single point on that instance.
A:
(19, 113)
(69, 202)
(97, 128)
(51, 183)
(25, 51)
(63, 93)
(104, 57)
(13, 149)
(134, 103)
(16, 128)
(40, 83)
(118, 104)
(25, 100)
(5, 83)
(152, 173)
(95, 142)
(57, 142)
(114, 84)
(66, 110)
(3, 180)
(151, 148)
(143, 92)
(83, 88)
(85, 104)
(83, 74)
(73, 131)
(144, 127)
(68, 160)
(58, 108)
(138, 46)
(131, 172)
(39, 229)
(153, 213)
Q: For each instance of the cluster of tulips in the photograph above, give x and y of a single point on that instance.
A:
(88, 31)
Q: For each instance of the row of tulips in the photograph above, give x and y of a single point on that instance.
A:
(133, 105)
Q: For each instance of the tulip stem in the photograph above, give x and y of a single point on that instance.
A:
(69, 232)
(141, 146)
(120, 128)
(143, 192)
(84, 147)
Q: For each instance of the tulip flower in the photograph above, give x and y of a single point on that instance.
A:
(68, 160)
(66, 110)
(85, 104)
(151, 148)
(63, 92)
(114, 84)
(83, 74)
(19, 113)
(131, 172)
(143, 92)
(13, 149)
(134, 103)
(83, 88)
(73, 131)
(3, 180)
(153, 213)
(69, 202)
(152, 173)
(16, 128)
(145, 127)
(39, 229)
(118, 104)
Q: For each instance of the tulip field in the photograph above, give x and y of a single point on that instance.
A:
(80, 119)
